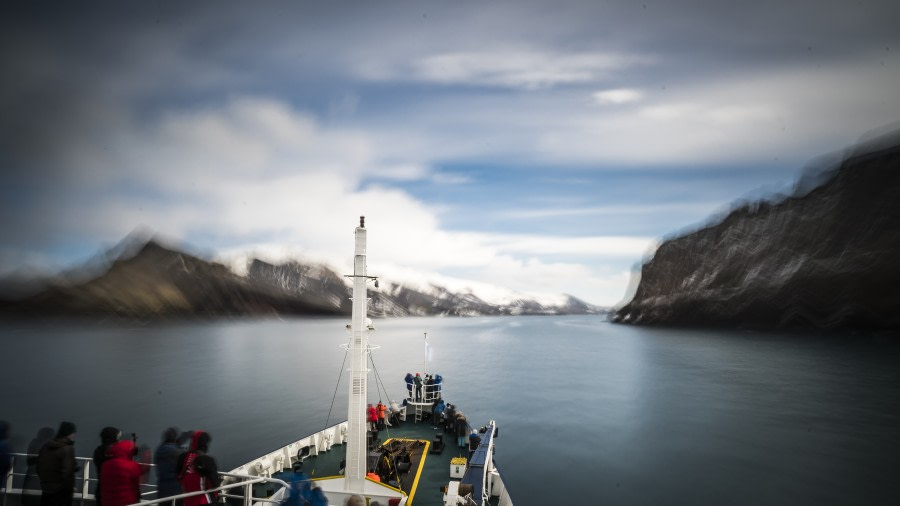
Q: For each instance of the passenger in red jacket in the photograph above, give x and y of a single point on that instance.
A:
(120, 476)
(372, 418)
(197, 471)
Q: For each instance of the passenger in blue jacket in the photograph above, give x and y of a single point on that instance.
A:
(300, 492)
(437, 386)
(166, 460)
(317, 497)
(437, 413)
(409, 385)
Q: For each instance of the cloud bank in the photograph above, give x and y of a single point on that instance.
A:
(540, 146)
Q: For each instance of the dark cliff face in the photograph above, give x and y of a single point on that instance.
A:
(827, 259)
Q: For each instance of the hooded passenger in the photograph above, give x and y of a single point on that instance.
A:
(462, 429)
(198, 472)
(372, 418)
(120, 477)
(300, 491)
(474, 441)
(437, 416)
(437, 385)
(394, 416)
(450, 418)
(108, 437)
(381, 411)
(409, 385)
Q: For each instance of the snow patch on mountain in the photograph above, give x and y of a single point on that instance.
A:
(432, 284)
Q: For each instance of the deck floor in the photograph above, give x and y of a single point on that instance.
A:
(423, 486)
(434, 474)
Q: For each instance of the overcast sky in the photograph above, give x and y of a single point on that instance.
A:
(539, 146)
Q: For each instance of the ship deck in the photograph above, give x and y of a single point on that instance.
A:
(428, 473)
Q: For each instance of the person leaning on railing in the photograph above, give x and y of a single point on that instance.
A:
(108, 437)
(120, 476)
(166, 459)
(56, 467)
(198, 471)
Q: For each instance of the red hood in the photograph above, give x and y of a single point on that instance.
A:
(195, 439)
(122, 450)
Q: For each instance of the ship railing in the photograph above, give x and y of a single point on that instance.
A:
(498, 489)
(23, 480)
(236, 482)
(285, 457)
(15, 482)
(481, 473)
(488, 447)
(430, 393)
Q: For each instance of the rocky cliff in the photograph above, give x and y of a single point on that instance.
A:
(826, 258)
(150, 280)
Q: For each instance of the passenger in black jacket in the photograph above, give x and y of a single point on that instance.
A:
(462, 429)
(34, 447)
(56, 467)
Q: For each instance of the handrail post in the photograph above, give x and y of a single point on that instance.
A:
(85, 480)
(8, 478)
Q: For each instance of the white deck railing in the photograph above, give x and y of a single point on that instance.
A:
(83, 479)
(84, 483)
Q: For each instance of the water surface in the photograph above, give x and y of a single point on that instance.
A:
(587, 410)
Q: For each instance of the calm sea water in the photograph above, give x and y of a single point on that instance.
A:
(601, 413)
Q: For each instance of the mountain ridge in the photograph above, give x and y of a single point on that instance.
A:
(154, 280)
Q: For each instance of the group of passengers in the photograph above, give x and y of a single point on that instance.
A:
(121, 466)
(381, 416)
(453, 421)
(430, 383)
(376, 417)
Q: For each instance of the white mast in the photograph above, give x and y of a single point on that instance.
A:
(355, 471)
(354, 481)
